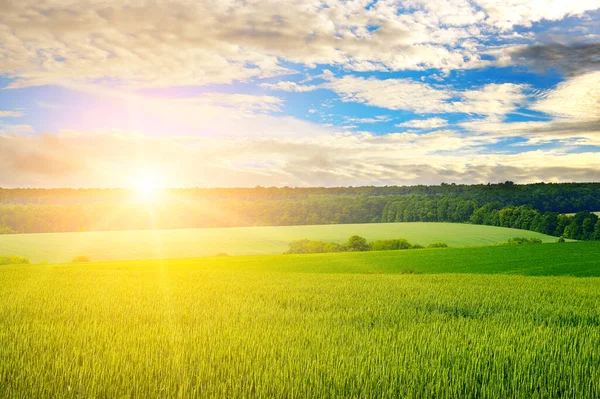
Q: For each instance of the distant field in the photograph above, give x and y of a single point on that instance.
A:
(572, 214)
(578, 259)
(188, 243)
(308, 326)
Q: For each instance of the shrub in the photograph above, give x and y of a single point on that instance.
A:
(524, 240)
(357, 243)
(306, 247)
(314, 247)
(561, 239)
(416, 246)
(81, 259)
(13, 260)
(334, 247)
(386, 245)
(438, 245)
(6, 230)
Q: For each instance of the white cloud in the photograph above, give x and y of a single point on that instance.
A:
(571, 133)
(430, 123)
(506, 14)
(574, 108)
(492, 99)
(11, 114)
(288, 86)
(394, 94)
(576, 98)
(419, 97)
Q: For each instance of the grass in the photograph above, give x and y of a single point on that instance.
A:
(573, 214)
(187, 243)
(307, 326)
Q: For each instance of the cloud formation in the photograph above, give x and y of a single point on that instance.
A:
(95, 158)
(419, 97)
(571, 58)
(161, 44)
(578, 98)
(201, 90)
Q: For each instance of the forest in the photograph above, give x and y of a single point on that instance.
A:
(541, 207)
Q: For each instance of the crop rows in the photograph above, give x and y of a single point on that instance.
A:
(152, 330)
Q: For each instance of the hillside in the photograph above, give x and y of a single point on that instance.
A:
(189, 243)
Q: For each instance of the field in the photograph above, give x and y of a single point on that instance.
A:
(493, 322)
(572, 214)
(188, 243)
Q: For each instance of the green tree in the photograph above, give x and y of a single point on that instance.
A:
(357, 243)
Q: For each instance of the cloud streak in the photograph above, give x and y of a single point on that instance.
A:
(343, 159)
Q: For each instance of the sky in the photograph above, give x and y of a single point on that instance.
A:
(298, 93)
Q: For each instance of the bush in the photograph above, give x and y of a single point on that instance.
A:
(13, 260)
(81, 259)
(438, 245)
(334, 247)
(524, 240)
(561, 239)
(314, 247)
(387, 245)
(357, 244)
(306, 247)
(6, 230)
(417, 246)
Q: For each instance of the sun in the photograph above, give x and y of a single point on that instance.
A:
(147, 186)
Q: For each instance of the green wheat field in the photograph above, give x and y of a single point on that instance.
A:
(487, 322)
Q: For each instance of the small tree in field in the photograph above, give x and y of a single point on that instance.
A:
(357, 244)
(81, 259)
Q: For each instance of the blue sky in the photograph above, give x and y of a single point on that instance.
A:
(310, 93)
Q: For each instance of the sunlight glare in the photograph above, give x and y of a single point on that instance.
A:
(147, 186)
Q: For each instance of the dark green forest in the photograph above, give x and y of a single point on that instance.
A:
(541, 207)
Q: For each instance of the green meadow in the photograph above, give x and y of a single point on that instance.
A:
(486, 322)
(188, 243)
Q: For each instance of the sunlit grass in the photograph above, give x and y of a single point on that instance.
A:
(248, 327)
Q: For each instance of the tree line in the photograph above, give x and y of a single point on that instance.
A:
(538, 207)
(546, 197)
